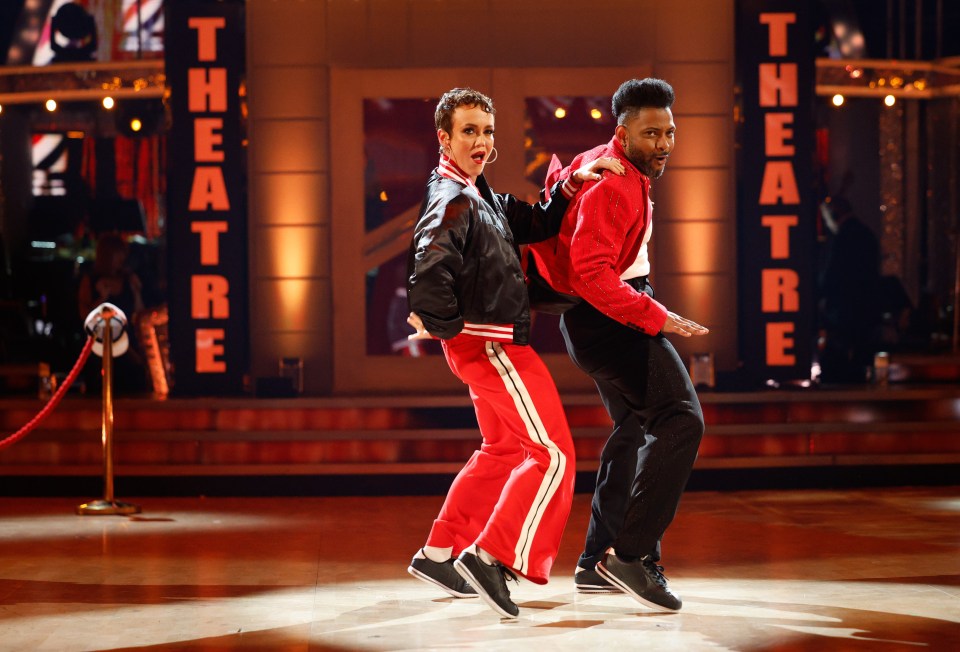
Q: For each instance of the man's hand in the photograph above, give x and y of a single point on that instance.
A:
(677, 324)
(417, 324)
(593, 170)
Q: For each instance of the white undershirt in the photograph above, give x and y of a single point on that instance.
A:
(640, 266)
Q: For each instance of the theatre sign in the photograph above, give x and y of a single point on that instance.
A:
(207, 212)
(776, 207)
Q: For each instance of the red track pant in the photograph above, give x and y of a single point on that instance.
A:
(513, 497)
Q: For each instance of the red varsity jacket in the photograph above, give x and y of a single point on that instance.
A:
(599, 239)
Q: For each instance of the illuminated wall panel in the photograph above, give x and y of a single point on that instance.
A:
(694, 247)
(291, 92)
(289, 245)
(290, 198)
(293, 145)
(703, 142)
(294, 252)
(288, 305)
(705, 298)
(694, 194)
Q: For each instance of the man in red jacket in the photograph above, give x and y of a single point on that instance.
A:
(616, 333)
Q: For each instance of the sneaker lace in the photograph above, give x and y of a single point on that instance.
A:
(656, 572)
(506, 574)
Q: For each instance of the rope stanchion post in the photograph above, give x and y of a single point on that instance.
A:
(108, 505)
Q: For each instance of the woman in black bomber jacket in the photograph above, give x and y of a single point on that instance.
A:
(506, 510)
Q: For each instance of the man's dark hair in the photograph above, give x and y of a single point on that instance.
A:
(637, 94)
(456, 97)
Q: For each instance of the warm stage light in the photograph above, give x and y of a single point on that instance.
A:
(137, 117)
(889, 100)
(51, 105)
(560, 112)
(838, 100)
(595, 114)
(108, 103)
(1, 108)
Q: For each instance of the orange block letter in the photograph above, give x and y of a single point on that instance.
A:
(778, 84)
(207, 90)
(209, 190)
(776, 133)
(779, 290)
(779, 226)
(206, 137)
(779, 184)
(208, 297)
(207, 36)
(209, 240)
(778, 32)
(778, 341)
(209, 346)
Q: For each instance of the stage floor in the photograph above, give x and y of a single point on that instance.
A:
(868, 569)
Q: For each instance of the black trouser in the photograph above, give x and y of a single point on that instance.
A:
(657, 429)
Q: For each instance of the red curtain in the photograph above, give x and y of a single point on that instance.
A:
(141, 174)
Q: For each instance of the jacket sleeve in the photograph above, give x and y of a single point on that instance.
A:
(594, 249)
(435, 261)
(537, 222)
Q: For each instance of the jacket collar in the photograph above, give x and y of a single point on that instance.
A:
(450, 170)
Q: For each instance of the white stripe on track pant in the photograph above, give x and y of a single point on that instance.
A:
(513, 496)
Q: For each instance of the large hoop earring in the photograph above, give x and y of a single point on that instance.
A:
(495, 155)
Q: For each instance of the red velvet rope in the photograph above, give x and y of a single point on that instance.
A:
(54, 400)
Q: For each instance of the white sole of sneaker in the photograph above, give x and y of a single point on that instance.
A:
(633, 594)
(599, 589)
(467, 575)
(426, 578)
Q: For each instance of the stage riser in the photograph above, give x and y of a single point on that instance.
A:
(436, 435)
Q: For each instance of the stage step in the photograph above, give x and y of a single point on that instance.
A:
(424, 434)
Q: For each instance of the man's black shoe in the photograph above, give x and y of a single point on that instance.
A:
(441, 574)
(490, 581)
(642, 579)
(590, 581)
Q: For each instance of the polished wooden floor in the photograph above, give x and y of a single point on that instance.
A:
(865, 569)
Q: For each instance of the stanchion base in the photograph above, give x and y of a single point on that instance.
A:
(107, 508)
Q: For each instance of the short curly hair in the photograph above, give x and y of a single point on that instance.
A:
(637, 94)
(457, 97)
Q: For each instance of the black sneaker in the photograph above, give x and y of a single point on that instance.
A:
(590, 581)
(642, 579)
(490, 581)
(441, 574)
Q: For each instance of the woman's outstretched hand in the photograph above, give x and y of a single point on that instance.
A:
(417, 324)
(593, 171)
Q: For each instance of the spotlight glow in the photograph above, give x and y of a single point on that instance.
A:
(889, 100)
(136, 125)
(595, 114)
(108, 103)
(838, 100)
(560, 112)
(51, 105)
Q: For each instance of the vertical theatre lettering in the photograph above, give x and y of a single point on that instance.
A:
(207, 217)
(776, 212)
